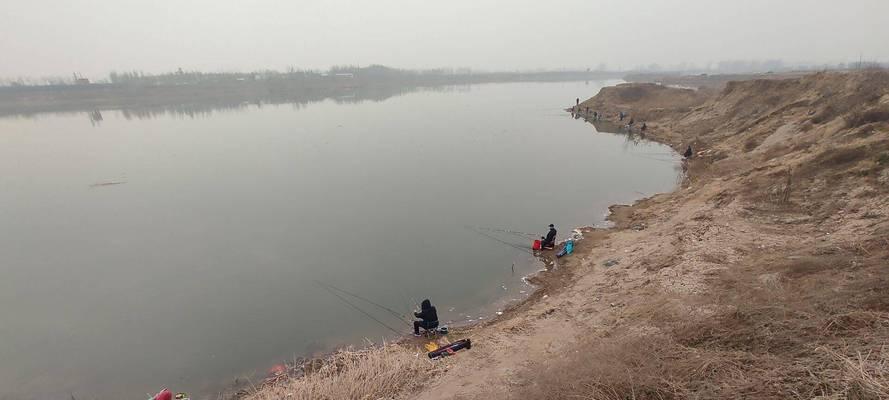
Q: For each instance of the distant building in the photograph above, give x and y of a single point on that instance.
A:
(79, 80)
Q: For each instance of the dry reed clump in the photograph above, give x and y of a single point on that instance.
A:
(840, 156)
(860, 118)
(752, 143)
(375, 373)
(863, 375)
(826, 114)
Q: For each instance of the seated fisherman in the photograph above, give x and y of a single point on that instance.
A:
(428, 317)
(549, 242)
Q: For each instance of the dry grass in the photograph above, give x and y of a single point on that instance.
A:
(864, 376)
(619, 367)
(860, 118)
(802, 339)
(375, 373)
(840, 156)
(824, 115)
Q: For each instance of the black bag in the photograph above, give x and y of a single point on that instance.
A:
(450, 349)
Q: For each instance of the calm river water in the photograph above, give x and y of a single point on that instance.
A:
(183, 250)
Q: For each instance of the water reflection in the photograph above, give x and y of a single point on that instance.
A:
(633, 134)
(148, 106)
(95, 117)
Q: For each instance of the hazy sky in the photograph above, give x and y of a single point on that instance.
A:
(58, 37)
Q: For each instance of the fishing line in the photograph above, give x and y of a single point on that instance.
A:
(515, 246)
(369, 301)
(650, 158)
(401, 293)
(523, 235)
(344, 300)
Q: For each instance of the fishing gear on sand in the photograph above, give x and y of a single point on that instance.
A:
(450, 349)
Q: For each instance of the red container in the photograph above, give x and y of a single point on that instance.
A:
(164, 394)
(536, 245)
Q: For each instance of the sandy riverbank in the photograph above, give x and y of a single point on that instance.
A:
(762, 276)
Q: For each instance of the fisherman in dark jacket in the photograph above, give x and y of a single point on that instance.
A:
(549, 242)
(428, 317)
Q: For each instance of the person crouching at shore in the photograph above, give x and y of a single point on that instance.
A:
(428, 317)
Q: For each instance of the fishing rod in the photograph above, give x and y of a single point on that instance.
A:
(515, 246)
(650, 158)
(369, 301)
(654, 153)
(520, 234)
(344, 300)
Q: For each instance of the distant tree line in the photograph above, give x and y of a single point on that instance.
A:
(379, 74)
(358, 75)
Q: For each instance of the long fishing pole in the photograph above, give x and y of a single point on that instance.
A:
(650, 158)
(654, 153)
(369, 301)
(344, 300)
(501, 241)
(523, 235)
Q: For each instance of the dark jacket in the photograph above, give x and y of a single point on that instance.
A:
(427, 312)
(550, 236)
